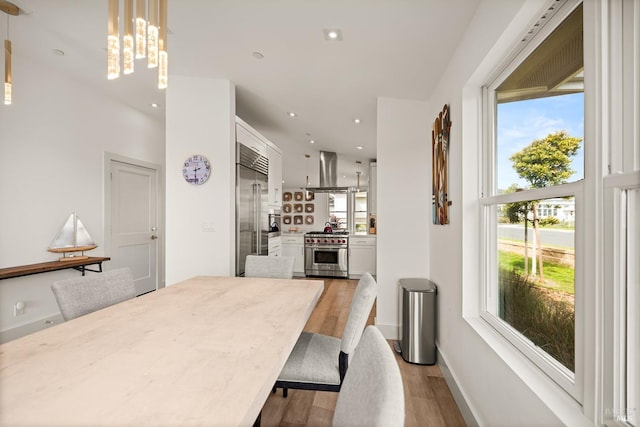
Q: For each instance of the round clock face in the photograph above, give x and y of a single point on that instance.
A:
(196, 169)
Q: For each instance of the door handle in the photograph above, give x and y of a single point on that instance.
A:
(154, 237)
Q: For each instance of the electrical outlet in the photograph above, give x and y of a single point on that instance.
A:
(18, 308)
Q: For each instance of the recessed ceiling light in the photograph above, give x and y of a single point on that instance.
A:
(332, 34)
(291, 114)
(257, 55)
(311, 141)
(154, 105)
(359, 147)
(356, 120)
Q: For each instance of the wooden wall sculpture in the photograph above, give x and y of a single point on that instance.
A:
(440, 166)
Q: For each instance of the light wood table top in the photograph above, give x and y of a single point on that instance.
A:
(206, 351)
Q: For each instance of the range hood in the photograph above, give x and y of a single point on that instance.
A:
(328, 174)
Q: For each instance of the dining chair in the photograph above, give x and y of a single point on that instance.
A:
(83, 295)
(320, 362)
(275, 267)
(372, 393)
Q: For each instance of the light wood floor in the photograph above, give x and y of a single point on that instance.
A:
(428, 401)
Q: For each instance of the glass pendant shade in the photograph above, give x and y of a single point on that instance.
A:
(113, 42)
(127, 54)
(127, 39)
(144, 34)
(7, 73)
(141, 30)
(7, 93)
(162, 70)
(162, 46)
(152, 46)
(152, 35)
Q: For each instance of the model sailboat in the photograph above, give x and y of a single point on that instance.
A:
(73, 237)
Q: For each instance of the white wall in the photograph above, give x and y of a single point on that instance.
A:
(200, 119)
(493, 392)
(52, 144)
(404, 197)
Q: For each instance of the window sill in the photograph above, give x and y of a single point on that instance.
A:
(559, 402)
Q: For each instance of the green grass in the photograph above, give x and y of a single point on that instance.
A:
(548, 322)
(557, 277)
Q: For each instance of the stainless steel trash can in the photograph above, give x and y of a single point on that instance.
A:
(418, 343)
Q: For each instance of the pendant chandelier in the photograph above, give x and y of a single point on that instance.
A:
(10, 9)
(144, 36)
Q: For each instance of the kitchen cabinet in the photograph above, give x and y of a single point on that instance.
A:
(362, 256)
(275, 246)
(251, 138)
(293, 245)
(248, 136)
(275, 176)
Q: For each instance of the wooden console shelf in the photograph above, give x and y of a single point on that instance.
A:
(43, 267)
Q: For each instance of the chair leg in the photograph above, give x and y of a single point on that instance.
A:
(257, 422)
(285, 392)
(273, 389)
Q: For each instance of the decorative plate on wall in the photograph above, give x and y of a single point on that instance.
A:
(297, 196)
(286, 197)
(297, 208)
(309, 196)
(297, 219)
(308, 207)
(286, 208)
(286, 219)
(308, 219)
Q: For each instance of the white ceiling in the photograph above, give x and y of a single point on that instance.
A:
(390, 48)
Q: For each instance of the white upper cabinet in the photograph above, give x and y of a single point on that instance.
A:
(275, 176)
(251, 138)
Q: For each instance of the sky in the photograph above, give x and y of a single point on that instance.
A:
(522, 122)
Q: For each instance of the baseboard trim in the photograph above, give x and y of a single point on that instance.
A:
(466, 412)
(29, 328)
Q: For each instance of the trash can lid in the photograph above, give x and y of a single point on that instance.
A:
(418, 285)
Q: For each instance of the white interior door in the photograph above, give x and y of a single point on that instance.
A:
(134, 222)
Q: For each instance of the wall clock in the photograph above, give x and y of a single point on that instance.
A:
(196, 169)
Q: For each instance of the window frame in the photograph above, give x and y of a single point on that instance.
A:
(571, 382)
(620, 346)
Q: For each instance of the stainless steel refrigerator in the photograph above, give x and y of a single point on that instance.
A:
(252, 199)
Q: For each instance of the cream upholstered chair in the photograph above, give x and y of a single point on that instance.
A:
(83, 295)
(372, 394)
(275, 267)
(319, 362)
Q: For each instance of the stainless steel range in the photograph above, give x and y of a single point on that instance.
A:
(326, 254)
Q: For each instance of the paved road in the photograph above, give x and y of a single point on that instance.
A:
(549, 236)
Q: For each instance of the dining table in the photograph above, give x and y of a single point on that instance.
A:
(206, 351)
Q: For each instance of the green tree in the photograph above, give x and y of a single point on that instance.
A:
(546, 162)
(517, 211)
(543, 163)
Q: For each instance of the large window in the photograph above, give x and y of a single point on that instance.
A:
(348, 211)
(339, 211)
(360, 222)
(532, 192)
